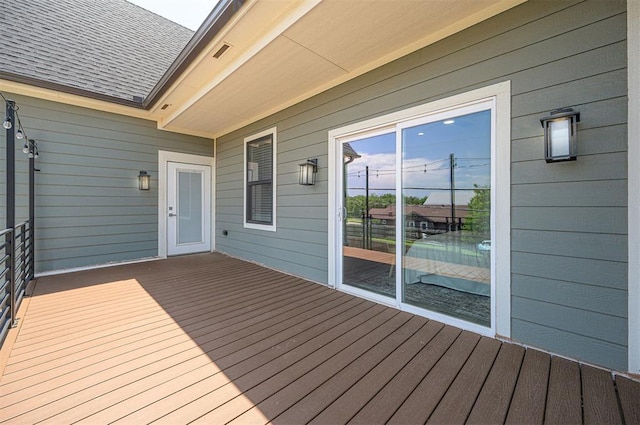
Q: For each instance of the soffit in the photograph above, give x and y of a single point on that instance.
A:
(283, 52)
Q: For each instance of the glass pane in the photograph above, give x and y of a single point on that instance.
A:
(446, 172)
(189, 207)
(260, 203)
(369, 234)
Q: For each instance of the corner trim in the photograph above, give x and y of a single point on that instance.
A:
(633, 143)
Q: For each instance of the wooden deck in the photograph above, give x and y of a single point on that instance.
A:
(211, 339)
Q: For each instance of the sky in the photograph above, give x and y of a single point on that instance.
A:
(188, 13)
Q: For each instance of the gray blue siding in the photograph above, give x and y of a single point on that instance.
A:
(89, 210)
(569, 242)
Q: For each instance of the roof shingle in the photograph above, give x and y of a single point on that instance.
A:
(111, 47)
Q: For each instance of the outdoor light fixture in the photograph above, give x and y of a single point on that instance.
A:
(144, 181)
(308, 170)
(12, 121)
(30, 148)
(560, 129)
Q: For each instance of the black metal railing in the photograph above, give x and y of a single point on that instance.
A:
(17, 241)
(16, 271)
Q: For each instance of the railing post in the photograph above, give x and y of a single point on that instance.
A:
(32, 213)
(11, 206)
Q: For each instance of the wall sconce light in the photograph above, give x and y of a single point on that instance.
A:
(560, 129)
(144, 181)
(308, 170)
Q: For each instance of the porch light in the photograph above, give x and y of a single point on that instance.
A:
(144, 181)
(560, 129)
(308, 170)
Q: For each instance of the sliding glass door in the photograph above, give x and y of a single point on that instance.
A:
(369, 231)
(416, 229)
(446, 166)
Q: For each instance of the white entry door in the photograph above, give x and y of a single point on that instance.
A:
(189, 208)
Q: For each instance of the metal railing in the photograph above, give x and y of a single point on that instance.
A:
(16, 271)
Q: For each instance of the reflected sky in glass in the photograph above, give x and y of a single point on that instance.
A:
(426, 151)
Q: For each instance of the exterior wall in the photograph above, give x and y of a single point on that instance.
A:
(89, 210)
(569, 223)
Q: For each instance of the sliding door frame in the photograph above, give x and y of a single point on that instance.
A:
(500, 96)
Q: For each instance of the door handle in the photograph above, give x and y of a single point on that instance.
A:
(172, 215)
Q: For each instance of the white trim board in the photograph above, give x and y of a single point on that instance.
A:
(96, 267)
(501, 180)
(164, 157)
(633, 143)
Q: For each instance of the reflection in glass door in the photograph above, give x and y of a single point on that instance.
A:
(446, 164)
(369, 203)
(417, 208)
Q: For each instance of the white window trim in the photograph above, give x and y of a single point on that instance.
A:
(633, 126)
(164, 157)
(501, 181)
(268, 227)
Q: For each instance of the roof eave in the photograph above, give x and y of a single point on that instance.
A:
(212, 25)
(63, 88)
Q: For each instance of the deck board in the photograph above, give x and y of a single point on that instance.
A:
(351, 401)
(530, 395)
(599, 397)
(276, 403)
(564, 404)
(166, 389)
(386, 402)
(493, 402)
(460, 398)
(319, 399)
(212, 339)
(427, 395)
(628, 391)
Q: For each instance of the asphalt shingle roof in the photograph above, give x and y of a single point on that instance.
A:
(110, 47)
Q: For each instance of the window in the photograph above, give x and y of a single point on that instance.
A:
(260, 184)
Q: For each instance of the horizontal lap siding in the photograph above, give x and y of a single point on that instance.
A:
(569, 225)
(89, 210)
(569, 220)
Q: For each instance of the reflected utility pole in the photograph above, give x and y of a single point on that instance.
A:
(365, 216)
(452, 186)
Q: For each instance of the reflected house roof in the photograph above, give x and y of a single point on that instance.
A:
(349, 152)
(433, 213)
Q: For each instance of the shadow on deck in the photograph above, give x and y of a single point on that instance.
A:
(212, 339)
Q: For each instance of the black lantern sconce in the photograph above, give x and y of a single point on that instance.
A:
(560, 131)
(144, 181)
(308, 170)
